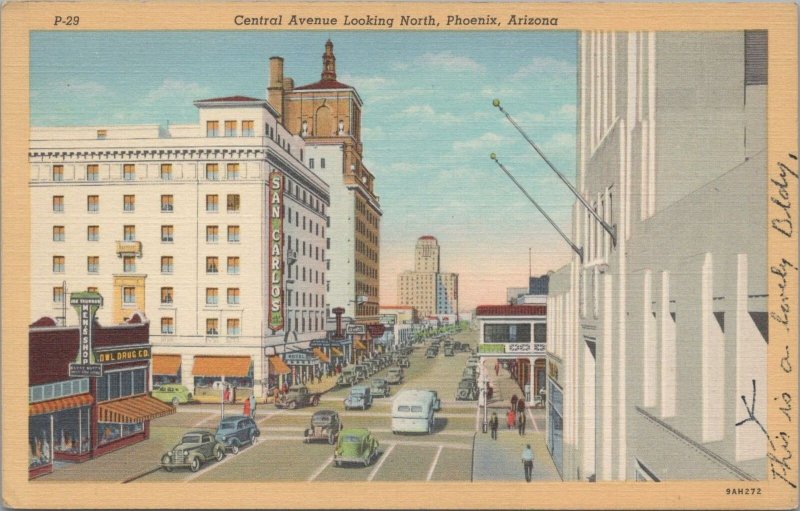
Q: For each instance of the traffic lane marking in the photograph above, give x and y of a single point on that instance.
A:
(216, 464)
(356, 413)
(535, 426)
(286, 438)
(457, 432)
(384, 455)
(320, 469)
(204, 420)
(435, 461)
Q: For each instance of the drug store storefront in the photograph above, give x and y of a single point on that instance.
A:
(78, 413)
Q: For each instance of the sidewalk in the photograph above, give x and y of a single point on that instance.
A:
(500, 460)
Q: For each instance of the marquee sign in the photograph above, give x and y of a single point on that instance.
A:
(356, 329)
(276, 262)
(123, 354)
(86, 305)
(300, 358)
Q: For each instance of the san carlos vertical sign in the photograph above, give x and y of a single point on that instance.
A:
(275, 194)
(86, 305)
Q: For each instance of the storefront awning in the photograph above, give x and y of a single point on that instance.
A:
(337, 352)
(321, 355)
(62, 403)
(221, 366)
(166, 364)
(278, 366)
(359, 345)
(133, 409)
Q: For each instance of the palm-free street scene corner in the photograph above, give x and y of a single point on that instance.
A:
(391, 256)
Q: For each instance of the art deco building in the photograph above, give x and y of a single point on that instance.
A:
(427, 289)
(327, 115)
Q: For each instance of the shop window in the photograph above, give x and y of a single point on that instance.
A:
(58, 203)
(92, 172)
(212, 265)
(212, 233)
(126, 384)
(166, 172)
(138, 381)
(212, 171)
(233, 203)
(129, 172)
(111, 431)
(40, 451)
(93, 233)
(167, 204)
(58, 172)
(114, 385)
(232, 171)
(166, 295)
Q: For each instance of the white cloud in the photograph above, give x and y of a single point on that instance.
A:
(367, 83)
(447, 61)
(486, 140)
(546, 66)
(560, 141)
(80, 87)
(428, 114)
(176, 89)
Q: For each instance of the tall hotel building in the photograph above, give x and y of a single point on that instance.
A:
(179, 222)
(657, 341)
(327, 115)
(427, 289)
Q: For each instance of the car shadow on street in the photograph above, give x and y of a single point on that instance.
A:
(439, 424)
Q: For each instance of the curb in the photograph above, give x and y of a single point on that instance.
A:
(138, 476)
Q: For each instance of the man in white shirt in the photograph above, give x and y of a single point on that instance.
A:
(527, 462)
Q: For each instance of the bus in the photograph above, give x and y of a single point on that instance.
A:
(412, 412)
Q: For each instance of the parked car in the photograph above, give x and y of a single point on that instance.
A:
(348, 376)
(473, 361)
(431, 353)
(359, 397)
(298, 396)
(172, 393)
(470, 372)
(361, 371)
(394, 375)
(325, 425)
(448, 351)
(355, 445)
(403, 362)
(467, 390)
(235, 431)
(195, 448)
(379, 387)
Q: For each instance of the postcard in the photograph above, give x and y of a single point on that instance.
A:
(415, 255)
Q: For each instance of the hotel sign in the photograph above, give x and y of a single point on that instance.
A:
(86, 305)
(276, 262)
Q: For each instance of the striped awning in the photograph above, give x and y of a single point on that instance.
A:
(62, 403)
(337, 352)
(278, 366)
(133, 409)
(321, 355)
(166, 364)
(359, 345)
(221, 366)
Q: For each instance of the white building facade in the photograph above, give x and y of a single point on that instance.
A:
(175, 222)
(654, 339)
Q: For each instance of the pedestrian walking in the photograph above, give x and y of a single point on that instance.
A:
(543, 395)
(493, 425)
(527, 462)
(284, 388)
(497, 368)
(252, 405)
(277, 394)
(520, 406)
(514, 400)
(511, 418)
(246, 410)
(521, 420)
(226, 395)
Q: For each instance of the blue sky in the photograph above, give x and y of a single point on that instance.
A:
(428, 124)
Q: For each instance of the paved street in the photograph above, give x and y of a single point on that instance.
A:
(281, 455)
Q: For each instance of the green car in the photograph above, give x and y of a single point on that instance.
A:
(172, 393)
(356, 445)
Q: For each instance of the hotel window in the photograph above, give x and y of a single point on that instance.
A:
(166, 233)
(247, 129)
(129, 264)
(93, 264)
(58, 233)
(211, 296)
(93, 203)
(101, 134)
(233, 265)
(167, 326)
(233, 296)
(167, 204)
(212, 203)
(93, 233)
(232, 171)
(129, 233)
(233, 202)
(311, 163)
(212, 128)
(233, 234)
(233, 327)
(230, 128)
(58, 203)
(212, 234)
(58, 264)
(128, 172)
(167, 265)
(92, 172)
(91, 289)
(212, 264)
(129, 296)
(212, 171)
(212, 326)
(58, 172)
(322, 163)
(58, 294)
(166, 295)
(128, 203)
(166, 171)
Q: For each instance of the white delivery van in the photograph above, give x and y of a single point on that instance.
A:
(412, 412)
